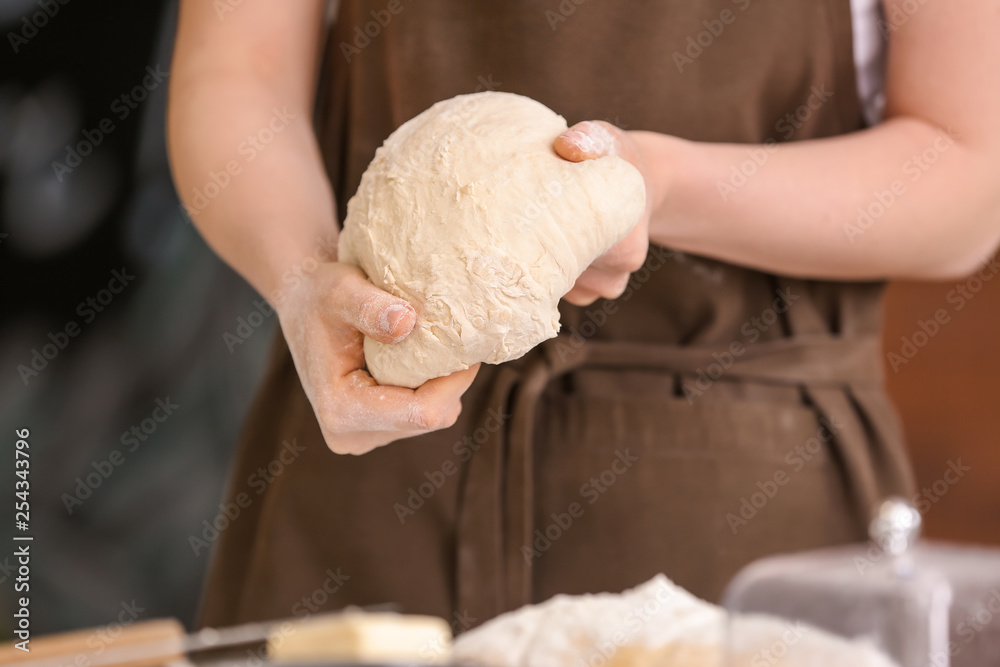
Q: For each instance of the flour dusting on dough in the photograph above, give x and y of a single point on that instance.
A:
(469, 215)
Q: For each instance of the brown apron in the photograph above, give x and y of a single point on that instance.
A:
(712, 415)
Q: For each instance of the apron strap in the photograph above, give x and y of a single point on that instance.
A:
(496, 502)
(520, 488)
(479, 531)
(891, 456)
(858, 443)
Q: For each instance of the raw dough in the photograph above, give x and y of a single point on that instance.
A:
(468, 214)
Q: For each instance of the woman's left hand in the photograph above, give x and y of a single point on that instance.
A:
(608, 276)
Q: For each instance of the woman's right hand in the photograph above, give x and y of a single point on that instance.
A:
(324, 319)
(227, 78)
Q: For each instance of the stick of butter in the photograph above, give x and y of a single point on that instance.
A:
(363, 637)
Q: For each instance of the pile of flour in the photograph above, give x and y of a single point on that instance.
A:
(657, 624)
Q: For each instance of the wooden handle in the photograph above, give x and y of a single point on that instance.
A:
(85, 648)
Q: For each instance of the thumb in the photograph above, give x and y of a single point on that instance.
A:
(372, 311)
(588, 140)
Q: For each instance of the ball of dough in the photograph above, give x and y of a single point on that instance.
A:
(468, 214)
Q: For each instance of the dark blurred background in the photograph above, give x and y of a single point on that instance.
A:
(112, 529)
(89, 72)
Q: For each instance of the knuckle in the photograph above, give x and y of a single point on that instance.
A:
(425, 421)
(431, 418)
(452, 417)
(336, 285)
(352, 301)
(365, 311)
(438, 419)
(421, 417)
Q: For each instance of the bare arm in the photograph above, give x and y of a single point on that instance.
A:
(247, 166)
(915, 197)
(231, 78)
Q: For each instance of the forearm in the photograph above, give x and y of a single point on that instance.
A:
(245, 159)
(902, 200)
(263, 207)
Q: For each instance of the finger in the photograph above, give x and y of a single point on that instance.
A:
(589, 140)
(373, 312)
(356, 444)
(626, 257)
(448, 387)
(581, 296)
(439, 401)
(358, 404)
(606, 285)
(372, 407)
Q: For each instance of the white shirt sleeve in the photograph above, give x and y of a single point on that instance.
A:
(869, 57)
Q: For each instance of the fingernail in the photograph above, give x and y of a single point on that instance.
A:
(582, 141)
(391, 317)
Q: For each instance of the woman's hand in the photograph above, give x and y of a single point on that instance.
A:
(324, 321)
(914, 197)
(608, 276)
(226, 78)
